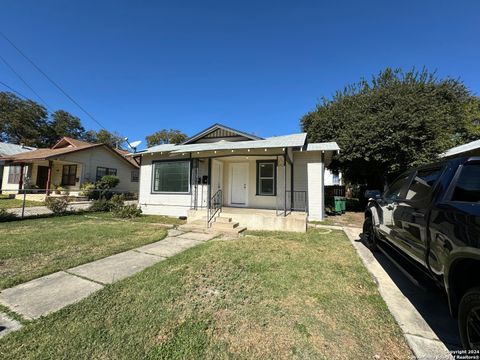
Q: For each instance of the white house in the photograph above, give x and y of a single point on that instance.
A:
(262, 183)
(68, 164)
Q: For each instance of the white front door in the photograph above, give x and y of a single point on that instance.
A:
(238, 183)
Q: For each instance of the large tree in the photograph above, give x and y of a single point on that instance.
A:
(395, 121)
(62, 123)
(22, 121)
(165, 136)
(105, 137)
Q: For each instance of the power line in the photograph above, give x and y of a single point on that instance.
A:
(24, 81)
(13, 90)
(52, 81)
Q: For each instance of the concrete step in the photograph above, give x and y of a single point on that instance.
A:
(224, 225)
(223, 219)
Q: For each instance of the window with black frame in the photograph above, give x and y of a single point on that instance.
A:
(69, 175)
(266, 177)
(103, 171)
(171, 176)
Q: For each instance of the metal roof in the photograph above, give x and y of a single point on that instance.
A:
(474, 145)
(12, 149)
(326, 146)
(294, 140)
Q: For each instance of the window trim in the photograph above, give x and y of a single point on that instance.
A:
(257, 176)
(106, 172)
(62, 183)
(152, 178)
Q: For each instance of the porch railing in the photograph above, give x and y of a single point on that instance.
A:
(215, 206)
(292, 201)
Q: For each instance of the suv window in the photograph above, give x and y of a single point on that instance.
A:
(423, 183)
(395, 189)
(467, 187)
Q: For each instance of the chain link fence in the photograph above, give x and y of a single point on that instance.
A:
(28, 203)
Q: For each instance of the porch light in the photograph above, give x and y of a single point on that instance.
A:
(198, 152)
(232, 150)
(215, 152)
(265, 149)
(248, 150)
(283, 149)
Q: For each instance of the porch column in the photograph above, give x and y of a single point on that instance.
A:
(20, 180)
(49, 177)
(285, 185)
(322, 188)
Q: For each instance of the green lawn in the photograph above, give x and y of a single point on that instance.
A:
(266, 296)
(6, 203)
(32, 248)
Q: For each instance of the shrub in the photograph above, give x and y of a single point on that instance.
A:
(6, 216)
(127, 212)
(104, 204)
(118, 201)
(57, 205)
(100, 205)
(108, 182)
(88, 190)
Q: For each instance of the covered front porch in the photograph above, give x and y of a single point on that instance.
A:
(254, 188)
(41, 178)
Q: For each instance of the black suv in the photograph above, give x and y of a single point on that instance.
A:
(431, 216)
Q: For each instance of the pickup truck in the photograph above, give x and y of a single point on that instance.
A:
(431, 216)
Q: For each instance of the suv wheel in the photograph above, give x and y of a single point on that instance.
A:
(369, 234)
(469, 319)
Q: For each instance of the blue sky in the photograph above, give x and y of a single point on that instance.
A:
(140, 66)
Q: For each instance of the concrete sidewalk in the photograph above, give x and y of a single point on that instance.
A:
(423, 341)
(51, 293)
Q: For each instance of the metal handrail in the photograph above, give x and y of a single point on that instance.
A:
(292, 201)
(214, 206)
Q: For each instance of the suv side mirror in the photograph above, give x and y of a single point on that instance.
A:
(373, 194)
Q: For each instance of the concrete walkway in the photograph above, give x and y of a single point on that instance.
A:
(423, 341)
(51, 293)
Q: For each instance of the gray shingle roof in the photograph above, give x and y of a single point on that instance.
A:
(12, 149)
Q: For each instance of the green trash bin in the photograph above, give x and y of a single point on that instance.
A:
(343, 203)
(334, 203)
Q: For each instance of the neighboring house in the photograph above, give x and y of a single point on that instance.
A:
(332, 178)
(224, 167)
(7, 149)
(468, 149)
(68, 164)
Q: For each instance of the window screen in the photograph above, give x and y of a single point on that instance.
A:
(69, 175)
(266, 177)
(467, 187)
(14, 172)
(171, 176)
(135, 176)
(102, 171)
